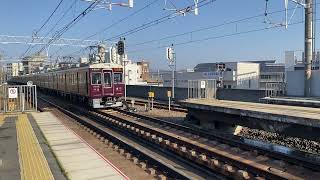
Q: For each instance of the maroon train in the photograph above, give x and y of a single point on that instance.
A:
(100, 85)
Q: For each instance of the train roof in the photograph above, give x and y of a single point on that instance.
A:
(91, 66)
(105, 65)
(99, 65)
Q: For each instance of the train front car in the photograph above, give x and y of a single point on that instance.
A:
(106, 85)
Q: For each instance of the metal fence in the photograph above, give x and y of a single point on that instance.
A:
(275, 89)
(202, 89)
(20, 98)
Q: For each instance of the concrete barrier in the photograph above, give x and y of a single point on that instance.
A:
(182, 93)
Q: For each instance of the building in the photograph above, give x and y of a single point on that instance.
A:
(112, 56)
(241, 75)
(2, 74)
(295, 74)
(144, 70)
(31, 64)
(232, 75)
(137, 73)
(271, 74)
(14, 69)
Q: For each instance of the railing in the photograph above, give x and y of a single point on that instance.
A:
(22, 98)
(275, 89)
(202, 89)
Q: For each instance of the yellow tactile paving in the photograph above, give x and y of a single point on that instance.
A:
(33, 164)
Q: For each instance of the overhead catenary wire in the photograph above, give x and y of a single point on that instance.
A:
(206, 28)
(60, 32)
(37, 32)
(63, 15)
(198, 30)
(113, 24)
(122, 19)
(215, 37)
(152, 23)
(201, 29)
(50, 16)
(54, 26)
(156, 21)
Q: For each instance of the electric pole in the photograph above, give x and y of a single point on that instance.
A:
(308, 46)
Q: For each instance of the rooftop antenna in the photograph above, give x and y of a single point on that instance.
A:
(182, 11)
(107, 4)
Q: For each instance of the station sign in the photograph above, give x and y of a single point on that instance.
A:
(13, 93)
(211, 74)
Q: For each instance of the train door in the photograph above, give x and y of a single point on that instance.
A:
(96, 83)
(57, 82)
(86, 85)
(65, 83)
(118, 84)
(77, 81)
(107, 83)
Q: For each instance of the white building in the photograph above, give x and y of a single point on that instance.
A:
(295, 76)
(290, 60)
(134, 73)
(13, 69)
(240, 75)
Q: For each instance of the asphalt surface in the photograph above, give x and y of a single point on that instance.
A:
(9, 158)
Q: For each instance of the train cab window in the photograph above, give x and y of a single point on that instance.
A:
(117, 77)
(96, 78)
(107, 79)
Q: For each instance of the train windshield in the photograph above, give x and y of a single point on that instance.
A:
(96, 78)
(117, 77)
(107, 79)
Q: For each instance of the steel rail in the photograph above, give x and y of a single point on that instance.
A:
(230, 159)
(166, 168)
(235, 141)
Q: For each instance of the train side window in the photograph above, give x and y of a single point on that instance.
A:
(96, 78)
(107, 79)
(117, 77)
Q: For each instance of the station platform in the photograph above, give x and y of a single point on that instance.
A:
(37, 146)
(290, 120)
(293, 101)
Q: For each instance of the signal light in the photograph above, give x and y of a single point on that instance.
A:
(121, 47)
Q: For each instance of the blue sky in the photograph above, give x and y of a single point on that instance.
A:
(22, 17)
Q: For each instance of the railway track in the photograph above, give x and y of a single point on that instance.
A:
(298, 157)
(165, 167)
(231, 159)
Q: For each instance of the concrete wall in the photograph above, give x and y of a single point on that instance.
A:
(160, 92)
(295, 83)
(182, 93)
(315, 89)
(240, 95)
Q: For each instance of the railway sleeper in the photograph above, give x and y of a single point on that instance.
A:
(151, 171)
(191, 155)
(103, 138)
(215, 164)
(243, 175)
